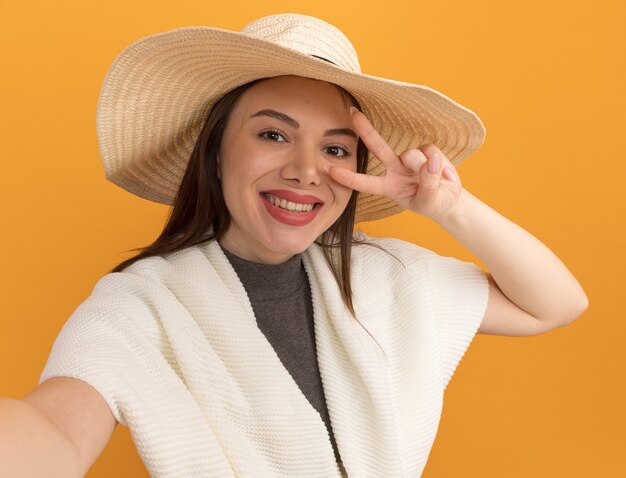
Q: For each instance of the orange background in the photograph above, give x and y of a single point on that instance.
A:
(547, 79)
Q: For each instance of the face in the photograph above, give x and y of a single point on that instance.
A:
(280, 139)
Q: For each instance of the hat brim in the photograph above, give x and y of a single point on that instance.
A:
(157, 94)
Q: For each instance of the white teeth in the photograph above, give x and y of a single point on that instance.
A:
(289, 205)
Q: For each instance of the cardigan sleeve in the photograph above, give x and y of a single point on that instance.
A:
(107, 344)
(460, 293)
(447, 296)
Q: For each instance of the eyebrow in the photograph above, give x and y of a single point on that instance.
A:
(294, 124)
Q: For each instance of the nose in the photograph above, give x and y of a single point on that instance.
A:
(303, 167)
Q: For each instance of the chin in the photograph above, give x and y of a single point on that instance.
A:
(291, 248)
(293, 244)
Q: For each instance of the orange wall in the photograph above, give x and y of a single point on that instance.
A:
(547, 79)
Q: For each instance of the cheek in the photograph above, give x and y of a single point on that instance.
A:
(347, 192)
(342, 191)
(346, 197)
(239, 177)
(232, 168)
(342, 195)
(231, 180)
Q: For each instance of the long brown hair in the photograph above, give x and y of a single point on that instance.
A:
(199, 213)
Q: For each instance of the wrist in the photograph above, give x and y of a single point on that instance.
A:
(457, 213)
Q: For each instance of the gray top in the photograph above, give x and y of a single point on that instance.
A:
(281, 299)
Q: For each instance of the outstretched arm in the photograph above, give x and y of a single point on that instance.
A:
(531, 290)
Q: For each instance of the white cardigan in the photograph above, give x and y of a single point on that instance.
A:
(173, 347)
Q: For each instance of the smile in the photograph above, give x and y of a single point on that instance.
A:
(290, 205)
(291, 208)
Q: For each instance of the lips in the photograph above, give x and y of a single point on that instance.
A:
(301, 209)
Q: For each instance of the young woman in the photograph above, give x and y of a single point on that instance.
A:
(259, 335)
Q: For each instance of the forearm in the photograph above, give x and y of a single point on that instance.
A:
(30, 444)
(526, 271)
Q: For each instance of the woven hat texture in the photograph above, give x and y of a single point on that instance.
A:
(157, 94)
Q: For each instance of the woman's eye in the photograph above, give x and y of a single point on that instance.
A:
(272, 136)
(337, 151)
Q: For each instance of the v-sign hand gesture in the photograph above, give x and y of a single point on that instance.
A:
(530, 289)
(414, 179)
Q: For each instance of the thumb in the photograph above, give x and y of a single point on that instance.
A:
(343, 176)
(361, 182)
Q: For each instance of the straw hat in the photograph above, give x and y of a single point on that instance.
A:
(157, 94)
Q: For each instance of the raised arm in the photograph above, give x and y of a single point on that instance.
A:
(530, 289)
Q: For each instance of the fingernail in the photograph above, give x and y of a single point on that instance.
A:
(352, 110)
(434, 163)
(450, 174)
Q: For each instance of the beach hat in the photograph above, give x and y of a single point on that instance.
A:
(158, 92)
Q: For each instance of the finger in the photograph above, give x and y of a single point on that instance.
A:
(449, 172)
(430, 179)
(413, 159)
(429, 149)
(449, 175)
(372, 139)
(364, 183)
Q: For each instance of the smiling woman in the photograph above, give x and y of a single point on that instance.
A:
(259, 334)
(271, 158)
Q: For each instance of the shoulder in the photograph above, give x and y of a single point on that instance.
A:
(390, 252)
(154, 271)
(158, 266)
(395, 262)
(143, 288)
